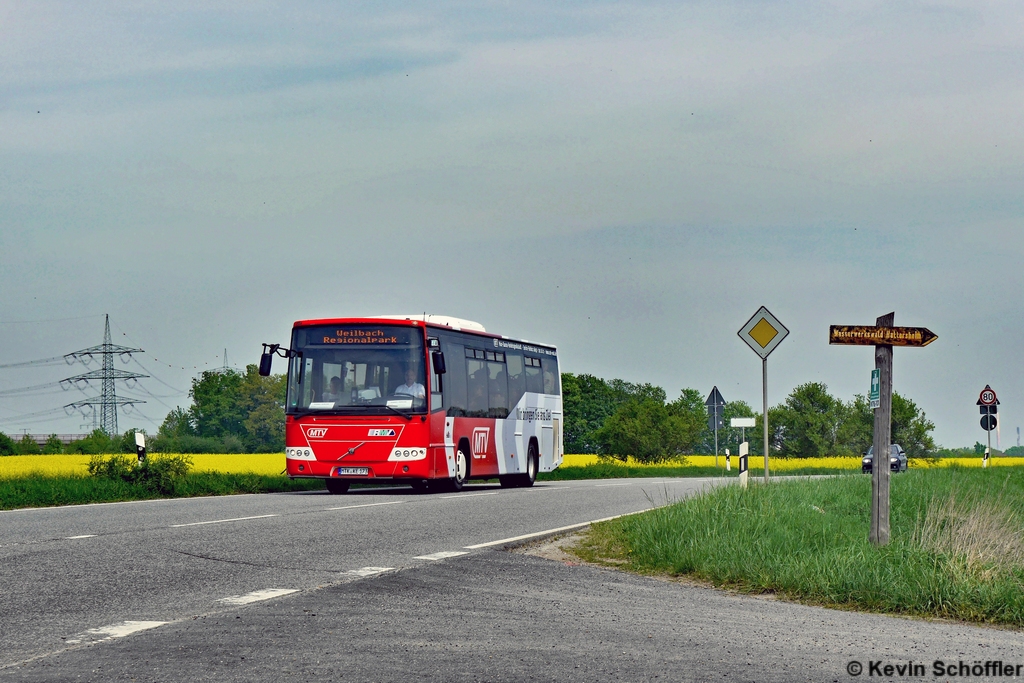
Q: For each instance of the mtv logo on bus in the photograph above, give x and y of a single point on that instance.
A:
(480, 435)
(316, 432)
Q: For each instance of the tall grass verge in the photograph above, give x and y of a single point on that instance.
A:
(956, 549)
(42, 491)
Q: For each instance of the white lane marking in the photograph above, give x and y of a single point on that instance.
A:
(441, 555)
(549, 531)
(256, 596)
(119, 630)
(369, 571)
(470, 495)
(535, 489)
(221, 521)
(71, 538)
(367, 505)
(628, 483)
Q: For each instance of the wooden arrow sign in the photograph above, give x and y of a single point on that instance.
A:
(870, 335)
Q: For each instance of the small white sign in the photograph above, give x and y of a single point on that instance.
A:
(745, 422)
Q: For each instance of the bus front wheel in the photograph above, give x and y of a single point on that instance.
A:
(337, 486)
(461, 471)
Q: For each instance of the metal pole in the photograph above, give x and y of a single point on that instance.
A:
(879, 534)
(764, 404)
(988, 450)
(716, 435)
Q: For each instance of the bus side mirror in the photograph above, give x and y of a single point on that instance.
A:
(266, 360)
(438, 358)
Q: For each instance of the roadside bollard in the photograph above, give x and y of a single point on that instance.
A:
(728, 461)
(140, 446)
(744, 449)
(984, 461)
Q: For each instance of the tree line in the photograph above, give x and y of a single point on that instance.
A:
(242, 412)
(230, 412)
(620, 419)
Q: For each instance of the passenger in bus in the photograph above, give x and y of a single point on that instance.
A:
(411, 386)
(549, 382)
(333, 393)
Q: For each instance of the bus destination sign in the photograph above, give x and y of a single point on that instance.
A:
(351, 335)
(872, 335)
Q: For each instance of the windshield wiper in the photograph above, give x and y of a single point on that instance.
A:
(407, 416)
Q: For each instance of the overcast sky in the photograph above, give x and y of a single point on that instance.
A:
(629, 181)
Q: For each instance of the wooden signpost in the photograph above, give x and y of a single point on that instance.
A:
(883, 336)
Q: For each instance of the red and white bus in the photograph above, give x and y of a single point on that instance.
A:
(423, 400)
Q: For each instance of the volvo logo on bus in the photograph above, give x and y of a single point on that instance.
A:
(480, 435)
(316, 432)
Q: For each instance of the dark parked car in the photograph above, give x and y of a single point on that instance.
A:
(897, 459)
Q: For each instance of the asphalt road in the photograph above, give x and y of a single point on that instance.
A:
(357, 588)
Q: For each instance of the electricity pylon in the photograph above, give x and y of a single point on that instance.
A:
(108, 400)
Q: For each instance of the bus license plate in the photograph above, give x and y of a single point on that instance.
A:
(363, 471)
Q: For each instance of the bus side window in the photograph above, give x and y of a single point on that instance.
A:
(497, 385)
(534, 383)
(454, 384)
(476, 376)
(516, 378)
(551, 383)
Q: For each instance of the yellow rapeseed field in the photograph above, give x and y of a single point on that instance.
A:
(63, 465)
(273, 463)
(784, 464)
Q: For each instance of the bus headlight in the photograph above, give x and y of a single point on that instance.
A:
(299, 454)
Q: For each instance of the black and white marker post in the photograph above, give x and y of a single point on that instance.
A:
(140, 446)
(744, 447)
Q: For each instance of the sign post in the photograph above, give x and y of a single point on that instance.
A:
(987, 402)
(883, 336)
(762, 333)
(716, 405)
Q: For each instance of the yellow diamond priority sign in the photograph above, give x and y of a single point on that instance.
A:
(763, 332)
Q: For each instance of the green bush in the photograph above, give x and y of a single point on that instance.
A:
(53, 445)
(7, 446)
(164, 474)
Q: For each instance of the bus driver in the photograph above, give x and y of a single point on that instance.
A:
(411, 386)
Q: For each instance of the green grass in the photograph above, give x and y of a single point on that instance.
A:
(43, 491)
(957, 547)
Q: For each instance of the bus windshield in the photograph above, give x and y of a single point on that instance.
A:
(357, 369)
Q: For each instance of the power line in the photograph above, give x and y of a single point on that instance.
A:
(48, 320)
(56, 360)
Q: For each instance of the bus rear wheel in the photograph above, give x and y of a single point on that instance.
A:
(337, 486)
(532, 465)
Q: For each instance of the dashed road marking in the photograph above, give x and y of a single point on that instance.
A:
(71, 538)
(441, 555)
(627, 483)
(367, 505)
(256, 596)
(548, 531)
(118, 630)
(369, 571)
(470, 495)
(221, 521)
